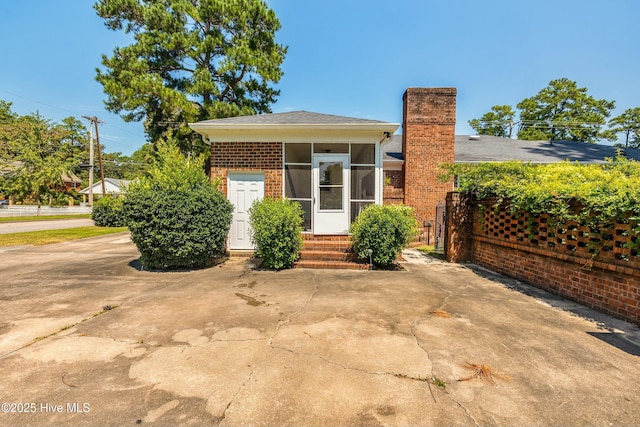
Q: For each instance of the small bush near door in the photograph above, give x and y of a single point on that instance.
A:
(176, 216)
(383, 230)
(276, 231)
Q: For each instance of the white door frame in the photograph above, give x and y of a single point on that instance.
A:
(331, 221)
(243, 188)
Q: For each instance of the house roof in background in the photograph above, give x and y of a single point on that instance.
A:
(485, 148)
(291, 118)
(97, 186)
(392, 150)
(71, 177)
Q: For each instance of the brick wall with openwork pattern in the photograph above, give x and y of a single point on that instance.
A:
(248, 157)
(594, 267)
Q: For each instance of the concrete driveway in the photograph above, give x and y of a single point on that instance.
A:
(87, 338)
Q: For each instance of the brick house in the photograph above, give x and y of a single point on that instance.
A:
(333, 166)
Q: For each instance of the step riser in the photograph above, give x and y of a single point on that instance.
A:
(327, 256)
(325, 238)
(328, 252)
(316, 247)
(332, 265)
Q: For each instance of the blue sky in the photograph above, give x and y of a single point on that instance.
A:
(350, 57)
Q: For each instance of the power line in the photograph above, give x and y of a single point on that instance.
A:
(74, 113)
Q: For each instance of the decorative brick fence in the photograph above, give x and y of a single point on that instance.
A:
(593, 267)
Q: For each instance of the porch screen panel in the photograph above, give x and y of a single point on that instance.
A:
(297, 183)
(363, 177)
(297, 178)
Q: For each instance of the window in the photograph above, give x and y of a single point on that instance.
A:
(331, 148)
(297, 178)
(331, 185)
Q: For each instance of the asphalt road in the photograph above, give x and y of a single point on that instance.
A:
(54, 224)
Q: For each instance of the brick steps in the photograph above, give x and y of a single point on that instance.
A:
(328, 252)
(331, 265)
(326, 255)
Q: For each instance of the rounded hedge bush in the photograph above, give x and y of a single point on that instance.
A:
(178, 229)
(108, 212)
(276, 226)
(176, 216)
(385, 231)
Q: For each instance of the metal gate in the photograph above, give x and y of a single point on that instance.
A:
(440, 226)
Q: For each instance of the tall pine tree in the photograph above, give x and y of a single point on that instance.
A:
(190, 60)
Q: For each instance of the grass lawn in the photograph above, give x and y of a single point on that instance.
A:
(38, 238)
(429, 250)
(44, 218)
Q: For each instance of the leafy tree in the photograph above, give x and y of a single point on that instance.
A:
(36, 154)
(191, 60)
(564, 111)
(117, 165)
(145, 154)
(497, 122)
(629, 124)
(6, 115)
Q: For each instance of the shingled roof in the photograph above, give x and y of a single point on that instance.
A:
(291, 118)
(485, 148)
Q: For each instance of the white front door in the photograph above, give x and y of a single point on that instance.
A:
(243, 190)
(331, 193)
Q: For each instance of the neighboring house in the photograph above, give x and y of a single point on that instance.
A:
(112, 186)
(334, 166)
(485, 148)
(71, 181)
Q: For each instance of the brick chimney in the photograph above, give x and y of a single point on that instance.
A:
(428, 137)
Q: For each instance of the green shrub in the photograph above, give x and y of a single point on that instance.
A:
(593, 195)
(276, 231)
(177, 218)
(108, 212)
(385, 230)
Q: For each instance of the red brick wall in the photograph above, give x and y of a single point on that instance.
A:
(249, 157)
(557, 259)
(607, 288)
(393, 190)
(428, 137)
(394, 179)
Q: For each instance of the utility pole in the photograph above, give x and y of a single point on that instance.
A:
(94, 122)
(90, 165)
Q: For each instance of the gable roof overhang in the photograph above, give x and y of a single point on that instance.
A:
(296, 126)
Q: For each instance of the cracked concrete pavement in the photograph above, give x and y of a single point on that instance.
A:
(87, 338)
